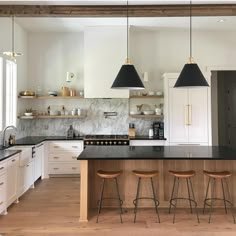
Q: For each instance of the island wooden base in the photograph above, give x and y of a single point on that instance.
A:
(90, 182)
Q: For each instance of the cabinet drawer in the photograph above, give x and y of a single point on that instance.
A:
(3, 167)
(13, 161)
(66, 146)
(64, 157)
(2, 193)
(64, 168)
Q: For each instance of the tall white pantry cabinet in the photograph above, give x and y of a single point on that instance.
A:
(186, 113)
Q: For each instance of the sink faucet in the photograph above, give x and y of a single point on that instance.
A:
(4, 133)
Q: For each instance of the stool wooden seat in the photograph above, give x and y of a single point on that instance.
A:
(141, 174)
(217, 174)
(221, 176)
(174, 195)
(109, 174)
(182, 174)
(145, 174)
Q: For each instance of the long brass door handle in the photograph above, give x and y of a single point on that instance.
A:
(189, 114)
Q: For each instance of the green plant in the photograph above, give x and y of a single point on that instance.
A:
(29, 110)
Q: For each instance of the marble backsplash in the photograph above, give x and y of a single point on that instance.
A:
(94, 123)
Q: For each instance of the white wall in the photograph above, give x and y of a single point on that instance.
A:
(51, 55)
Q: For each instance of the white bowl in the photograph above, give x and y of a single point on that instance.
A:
(135, 112)
(151, 93)
(159, 93)
(54, 113)
(28, 113)
(148, 112)
(52, 93)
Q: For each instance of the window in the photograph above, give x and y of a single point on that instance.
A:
(8, 93)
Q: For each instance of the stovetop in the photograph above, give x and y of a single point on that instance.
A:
(107, 137)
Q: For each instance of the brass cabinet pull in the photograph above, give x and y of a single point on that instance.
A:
(74, 157)
(1, 203)
(74, 146)
(55, 146)
(189, 144)
(189, 114)
(74, 168)
(56, 168)
(13, 160)
(186, 115)
(27, 166)
(1, 168)
(2, 183)
(56, 157)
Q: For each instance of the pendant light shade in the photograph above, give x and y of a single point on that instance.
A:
(127, 77)
(12, 54)
(191, 75)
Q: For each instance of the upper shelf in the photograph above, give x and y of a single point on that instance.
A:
(147, 96)
(50, 97)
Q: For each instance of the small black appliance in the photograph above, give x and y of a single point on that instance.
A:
(158, 130)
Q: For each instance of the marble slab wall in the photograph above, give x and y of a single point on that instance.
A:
(95, 121)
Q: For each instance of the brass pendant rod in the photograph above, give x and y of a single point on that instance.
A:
(127, 30)
(190, 22)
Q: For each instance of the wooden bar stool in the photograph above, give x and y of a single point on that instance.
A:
(109, 175)
(174, 197)
(145, 174)
(223, 177)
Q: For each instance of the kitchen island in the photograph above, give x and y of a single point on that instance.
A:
(161, 158)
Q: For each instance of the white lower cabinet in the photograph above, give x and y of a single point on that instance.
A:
(62, 157)
(12, 179)
(38, 159)
(3, 187)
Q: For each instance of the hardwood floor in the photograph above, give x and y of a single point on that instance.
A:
(52, 208)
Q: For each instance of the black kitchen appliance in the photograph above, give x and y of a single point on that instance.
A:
(106, 140)
(158, 130)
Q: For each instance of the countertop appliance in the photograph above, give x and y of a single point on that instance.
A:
(158, 130)
(106, 140)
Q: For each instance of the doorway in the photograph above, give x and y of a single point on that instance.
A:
(224, 108)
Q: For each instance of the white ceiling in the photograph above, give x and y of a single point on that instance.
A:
(112, 2)
(46, 24)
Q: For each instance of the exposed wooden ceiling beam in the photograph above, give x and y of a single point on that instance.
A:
(117, 11)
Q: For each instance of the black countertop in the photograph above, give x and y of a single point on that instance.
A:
(34, 140)
(4, 154)
(146, 138)
(157, 152)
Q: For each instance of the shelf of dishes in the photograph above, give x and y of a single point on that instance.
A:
(52, 117)
(146, 116)
(50, 97)
(147, 96)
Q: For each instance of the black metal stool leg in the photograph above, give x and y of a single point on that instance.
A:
(230, 200)
(155, 200)
(206, 195)
(136, 200)
(223, 191)
(195, 203)
(214, 187)
(190, 203)
(175, 206)
(119, 200)
(172, 193)
(100, 201)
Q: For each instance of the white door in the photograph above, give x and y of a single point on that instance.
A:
(28, 175)
(198, 109)
(12, 176)
(178, 105)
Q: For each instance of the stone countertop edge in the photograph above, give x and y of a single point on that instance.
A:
(4, 154)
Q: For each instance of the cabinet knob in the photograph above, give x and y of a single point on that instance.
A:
(1, 183)
(1, 168)
(13, 160)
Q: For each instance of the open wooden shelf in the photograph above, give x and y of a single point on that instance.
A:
(52, 117)
(148, 96)
(50, 97)
(146, 116)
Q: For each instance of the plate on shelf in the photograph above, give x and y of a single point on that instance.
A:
(148, 112)
(135, 112)
(52, 93)
(28, 114)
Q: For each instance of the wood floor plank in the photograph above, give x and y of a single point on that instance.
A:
(52, 208)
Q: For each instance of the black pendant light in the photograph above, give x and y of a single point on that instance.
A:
(127, 77)
(191, 75)
(12, 54)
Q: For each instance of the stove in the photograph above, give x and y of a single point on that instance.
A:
(106, 139)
